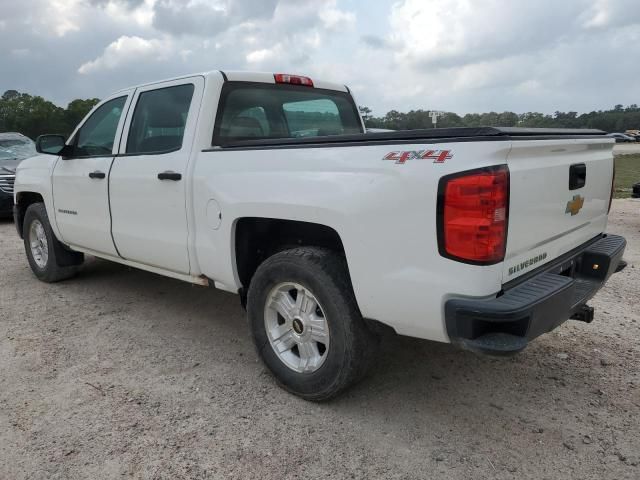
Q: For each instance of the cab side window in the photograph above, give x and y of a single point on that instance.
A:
(97, 134)
(159, 120)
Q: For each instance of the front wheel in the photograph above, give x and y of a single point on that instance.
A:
(306, 324)
(49, 259)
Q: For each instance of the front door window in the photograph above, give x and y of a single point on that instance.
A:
(96, 136)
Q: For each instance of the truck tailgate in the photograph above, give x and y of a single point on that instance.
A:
(559, 198)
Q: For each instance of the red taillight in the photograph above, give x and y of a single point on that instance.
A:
(293, 79)
(473, 209)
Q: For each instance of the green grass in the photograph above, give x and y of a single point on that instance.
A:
(627, 173)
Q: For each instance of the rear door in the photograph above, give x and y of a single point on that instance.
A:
(80, 181)
(148, 184)
(559, 198)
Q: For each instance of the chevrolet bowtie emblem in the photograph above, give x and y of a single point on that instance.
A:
(574, 205)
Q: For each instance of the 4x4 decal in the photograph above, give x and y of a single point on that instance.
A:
(438, 156)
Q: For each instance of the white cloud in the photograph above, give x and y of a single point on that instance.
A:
(456, 32)
(465, 55)
(460, 55)
(335, 19)
(62, 16)
(20, 52)
(258, 56)
(141, 12)
(204, 35)
(126, 51)
(606, 13)
(208, 17)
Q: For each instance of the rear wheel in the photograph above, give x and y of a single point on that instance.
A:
(296, 327)
(49, 259)
(306, 324)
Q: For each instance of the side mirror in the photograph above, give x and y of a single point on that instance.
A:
(50, 144)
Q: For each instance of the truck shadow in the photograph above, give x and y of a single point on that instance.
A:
(414, 383)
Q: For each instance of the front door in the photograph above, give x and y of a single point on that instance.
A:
(148, 184)
(80, 181)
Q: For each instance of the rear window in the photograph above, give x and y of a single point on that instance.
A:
(250, 111)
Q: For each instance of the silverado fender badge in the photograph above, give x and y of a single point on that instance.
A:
(574, 205)
(438, 156)
(68, 212)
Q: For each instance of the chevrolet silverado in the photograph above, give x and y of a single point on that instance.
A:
(269, 186)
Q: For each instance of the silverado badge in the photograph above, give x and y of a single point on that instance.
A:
(574, 205)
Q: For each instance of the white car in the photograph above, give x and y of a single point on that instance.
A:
(267, 185)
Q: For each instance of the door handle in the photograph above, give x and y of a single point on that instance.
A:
(169, 175)
(97, 174)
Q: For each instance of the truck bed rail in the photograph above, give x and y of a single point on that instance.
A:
(433, 135)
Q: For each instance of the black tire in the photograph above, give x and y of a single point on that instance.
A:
(352, 345)
(61, 263)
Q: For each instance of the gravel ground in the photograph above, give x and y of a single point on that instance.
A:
(121, 373)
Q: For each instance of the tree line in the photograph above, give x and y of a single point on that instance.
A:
(34, 115)
(618, 119)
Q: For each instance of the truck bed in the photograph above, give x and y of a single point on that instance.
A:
(390, 207)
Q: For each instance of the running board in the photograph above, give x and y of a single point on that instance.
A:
(196, 280)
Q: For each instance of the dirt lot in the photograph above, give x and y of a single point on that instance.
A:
(120, 373)
(626, 148)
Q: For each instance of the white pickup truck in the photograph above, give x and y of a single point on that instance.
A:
(267, 185)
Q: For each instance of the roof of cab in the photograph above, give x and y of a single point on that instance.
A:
(242, 76)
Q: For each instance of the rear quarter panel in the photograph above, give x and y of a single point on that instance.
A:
(384, 212)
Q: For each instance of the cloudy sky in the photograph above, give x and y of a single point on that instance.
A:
(455, 55)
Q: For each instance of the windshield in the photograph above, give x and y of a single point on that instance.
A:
(254, 111)
(16, 147)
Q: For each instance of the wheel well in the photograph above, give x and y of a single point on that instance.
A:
(23, 200)
(256, 239)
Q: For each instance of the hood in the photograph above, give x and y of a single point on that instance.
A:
(13, 149)
(8, 165)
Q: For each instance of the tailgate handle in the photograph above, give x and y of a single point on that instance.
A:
(577, 176)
